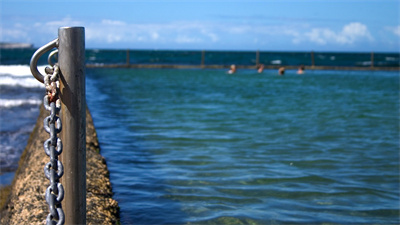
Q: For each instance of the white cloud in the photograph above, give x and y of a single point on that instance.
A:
(111, 32)
(184, 39)
(394, 30)
(238, 29)
(154, 35)
(210, 34)
(113, 22)
(320, 36)
(111, 38)
(13, 34)
(176, 32)
(214, 37)
(54, 25)
(353, 32)
(350, 34)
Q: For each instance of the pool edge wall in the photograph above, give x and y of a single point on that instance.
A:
(25, 200)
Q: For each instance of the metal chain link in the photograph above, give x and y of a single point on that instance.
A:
(53, 147)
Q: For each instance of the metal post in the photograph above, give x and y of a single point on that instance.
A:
(257, 58)
(202, 58)
(372, 59)
(312, 60)
(127, 57)
(71, 57)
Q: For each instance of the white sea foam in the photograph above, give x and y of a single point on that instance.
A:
(22, 82)
(364, 63)
(391, 58)
(18, 70)
(276, 62)
(9, 103)
(19, 75)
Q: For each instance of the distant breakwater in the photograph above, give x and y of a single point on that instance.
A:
(246, 60)
(177, 66)
(195, 59)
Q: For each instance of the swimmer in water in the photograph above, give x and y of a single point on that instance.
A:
(233, 69)
(301, 70)
(281, 71)
(260, 68)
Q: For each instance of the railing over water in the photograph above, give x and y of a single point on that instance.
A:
(246, 60)
(223, 59)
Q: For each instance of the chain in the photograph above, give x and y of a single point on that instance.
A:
(53, 147)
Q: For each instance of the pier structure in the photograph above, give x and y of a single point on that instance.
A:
(258, 60)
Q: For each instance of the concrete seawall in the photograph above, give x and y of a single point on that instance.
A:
(26, 201)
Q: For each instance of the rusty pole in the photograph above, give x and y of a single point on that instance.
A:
(71, 57)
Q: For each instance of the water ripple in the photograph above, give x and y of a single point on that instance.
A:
(198, 147)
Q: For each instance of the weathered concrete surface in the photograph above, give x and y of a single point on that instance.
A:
(26, 203)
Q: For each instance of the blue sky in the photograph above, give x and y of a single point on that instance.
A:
(279, 25)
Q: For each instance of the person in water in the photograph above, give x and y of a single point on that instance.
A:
(281, 71)
(301, 70)
(260, 68)
(233, 69)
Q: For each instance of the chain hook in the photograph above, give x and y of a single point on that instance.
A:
(54, 169)
(34, 60)
(53, 53)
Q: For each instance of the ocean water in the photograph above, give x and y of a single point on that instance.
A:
(20, 97)
(201, 146)
(204, 147)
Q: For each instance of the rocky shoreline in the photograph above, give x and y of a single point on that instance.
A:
(26, 203)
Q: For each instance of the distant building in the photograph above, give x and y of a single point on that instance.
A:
(5, 45)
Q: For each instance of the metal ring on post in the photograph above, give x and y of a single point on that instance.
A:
(34, 60)
(51, 55)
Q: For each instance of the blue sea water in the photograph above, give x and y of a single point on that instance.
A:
(201, 146)
(204, 147)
